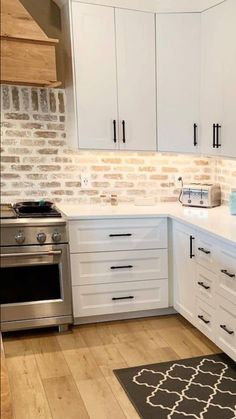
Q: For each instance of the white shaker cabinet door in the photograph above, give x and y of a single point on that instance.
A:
(135, 36)
(184, 270)
(211, 84)
(228, 146)
(178, 42)
(218, 90)
(95, 75)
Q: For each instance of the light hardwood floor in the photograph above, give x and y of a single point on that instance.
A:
(69, 375)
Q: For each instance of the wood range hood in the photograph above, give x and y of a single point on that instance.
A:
(27, 54)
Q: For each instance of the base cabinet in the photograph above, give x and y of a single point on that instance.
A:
(204, 275)
(91, 300)
(118, 266)
(184, 269)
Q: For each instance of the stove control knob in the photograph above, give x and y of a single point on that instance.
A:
(41, 237)
(20, 237)
(56, 236)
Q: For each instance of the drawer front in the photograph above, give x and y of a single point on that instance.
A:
(112, 267)
(117, 234)
(205, 318)
(90, 300)
(206, 282)
(206, 253)
(227, 273)
(226, 326)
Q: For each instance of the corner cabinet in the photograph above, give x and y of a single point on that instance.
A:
(196, 81)
(218, 89)
(114, 77)
(204, 276)
(178, 39)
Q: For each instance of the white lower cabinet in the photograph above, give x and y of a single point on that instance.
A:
(206, 282)
(205, 318)
(118, 265)
(184, 270)
(227, 272)
(226, 326)
(204, 275)
(90, 300)
(112, 267)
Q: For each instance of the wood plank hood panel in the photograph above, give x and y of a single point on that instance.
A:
(27, 54)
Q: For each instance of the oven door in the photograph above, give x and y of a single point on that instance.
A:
(35, 282)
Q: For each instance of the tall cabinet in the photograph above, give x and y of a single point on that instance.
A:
(114, 73)
(178, 39)
(218, 82)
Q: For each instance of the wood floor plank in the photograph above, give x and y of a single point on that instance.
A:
(82, 364)
(180, 342)
(64, 398)
(71, 340)
(99, 399)
(6, 398)
(120, 395)
(106, 355)
(28, 396)
(50, 359)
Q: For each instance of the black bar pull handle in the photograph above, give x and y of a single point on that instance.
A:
(123, 130)
(122, 267)
(114, 131)
(224, 327)
(207, 252)
(191, 255)
(206, 287)
(214, 135)
(121, 235)
(130, 297)
(224, 271)
(218, 135)
(203, 320)
(195, 135)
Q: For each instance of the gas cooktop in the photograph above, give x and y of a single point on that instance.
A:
(29, 209)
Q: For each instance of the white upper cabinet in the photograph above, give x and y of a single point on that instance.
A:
(228, 147)
(114, 71)
(135, 36)
(218, 86)
(95, 75)
(178, 40)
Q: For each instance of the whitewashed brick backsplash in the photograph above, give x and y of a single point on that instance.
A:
(36, 163)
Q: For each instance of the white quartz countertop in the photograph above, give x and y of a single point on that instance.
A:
(216, 221)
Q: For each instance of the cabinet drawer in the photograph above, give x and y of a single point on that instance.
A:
(227, 273)
(205, 318)
(206, 253)
(117, 234)
(226, 326)
(90, 300)
(206, 282)
(112, 267)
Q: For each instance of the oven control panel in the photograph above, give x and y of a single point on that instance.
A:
(32, 235)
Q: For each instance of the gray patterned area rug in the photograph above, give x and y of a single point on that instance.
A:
(194, 388)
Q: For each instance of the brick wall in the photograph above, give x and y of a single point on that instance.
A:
(37, 163)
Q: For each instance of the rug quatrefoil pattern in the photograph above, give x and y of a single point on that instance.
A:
(195, 388)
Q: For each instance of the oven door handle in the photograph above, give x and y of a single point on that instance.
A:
(29, 254)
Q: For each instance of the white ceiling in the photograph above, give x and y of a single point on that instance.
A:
(185, 5)
(154, 5)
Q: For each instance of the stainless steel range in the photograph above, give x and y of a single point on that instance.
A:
(35, 284)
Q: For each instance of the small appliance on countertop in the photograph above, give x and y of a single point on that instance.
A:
(35, 286)
(205, 195)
